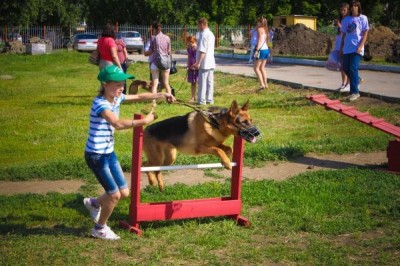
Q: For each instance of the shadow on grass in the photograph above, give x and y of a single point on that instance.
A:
(50, 214)
(332, 164)
(24, 230)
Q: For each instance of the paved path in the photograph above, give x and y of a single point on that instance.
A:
(378, 84)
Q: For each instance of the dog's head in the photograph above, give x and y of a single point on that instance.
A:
(239, 121)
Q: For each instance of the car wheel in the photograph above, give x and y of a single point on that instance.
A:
(140, 51)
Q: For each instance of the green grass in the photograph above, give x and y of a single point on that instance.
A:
(337, 217)
(342, 217)
(45, 108)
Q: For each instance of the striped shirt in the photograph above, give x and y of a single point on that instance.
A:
(101, 133)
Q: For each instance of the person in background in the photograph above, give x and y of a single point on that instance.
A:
(108, 48)
(205, 62)
(192, 74)
(99, 152)
(253, 43)
(147, 51)
(354, 36)
(261, 53)
(344, 11)
(160, 42)
(122, 55)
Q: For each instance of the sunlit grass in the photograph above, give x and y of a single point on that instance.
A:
(45, 109)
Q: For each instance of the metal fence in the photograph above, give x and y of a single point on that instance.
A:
(226, 36)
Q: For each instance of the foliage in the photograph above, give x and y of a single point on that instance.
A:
(179, 12)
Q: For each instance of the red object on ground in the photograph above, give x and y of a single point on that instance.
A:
(183, 209)
(393, 149)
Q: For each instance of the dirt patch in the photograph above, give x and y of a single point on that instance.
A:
(274, 171)
(301, 40)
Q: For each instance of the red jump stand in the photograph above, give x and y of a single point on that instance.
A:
(183, 209)
(393, 149)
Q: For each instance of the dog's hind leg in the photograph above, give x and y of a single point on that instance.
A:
(169, 159)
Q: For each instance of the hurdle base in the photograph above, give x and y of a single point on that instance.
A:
(242, 221)
(185, 209)
(131, 228)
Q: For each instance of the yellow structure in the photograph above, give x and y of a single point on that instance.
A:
(290, 20)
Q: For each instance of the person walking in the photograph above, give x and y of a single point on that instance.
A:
(205, 62)
(261, 53)
(122, 55)
(355, 33)
(99, 152)
(344, 11)
(159, 43)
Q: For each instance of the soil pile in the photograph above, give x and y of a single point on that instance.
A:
(301, 40)
(381, 43)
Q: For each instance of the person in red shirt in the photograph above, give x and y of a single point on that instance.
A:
(108, 48)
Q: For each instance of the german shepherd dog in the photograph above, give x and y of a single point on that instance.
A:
(197, 132)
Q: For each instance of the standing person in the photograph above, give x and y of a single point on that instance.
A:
(147, 51)
(253, 43)
(161, 43)
(261, 54)
(99, 151)
(344, 11)
(205, 62)
(122, 55)
(192, 74)
(108, 48)
(355, 32)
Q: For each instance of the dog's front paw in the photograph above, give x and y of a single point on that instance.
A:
(227, 164)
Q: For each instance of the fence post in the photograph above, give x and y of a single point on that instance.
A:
(216, 35)
(44, 32)
(184, 35)
(6, 33)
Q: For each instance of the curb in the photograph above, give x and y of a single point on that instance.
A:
(305, 62)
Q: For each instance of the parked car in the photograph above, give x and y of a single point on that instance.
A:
(132, 39)
(85, 42)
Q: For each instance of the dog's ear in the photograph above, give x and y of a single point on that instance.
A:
(234, 108)
(246, 106)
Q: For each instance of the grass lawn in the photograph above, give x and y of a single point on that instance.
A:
(336, 217)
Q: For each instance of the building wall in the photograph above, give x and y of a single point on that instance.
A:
(291, 20)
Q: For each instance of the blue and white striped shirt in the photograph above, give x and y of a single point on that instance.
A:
(101, 133)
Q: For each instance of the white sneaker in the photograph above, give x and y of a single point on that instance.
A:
(94, 212)
(354, 97)
(105, 233)
(345, 88)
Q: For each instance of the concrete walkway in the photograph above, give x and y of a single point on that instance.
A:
(377, 84)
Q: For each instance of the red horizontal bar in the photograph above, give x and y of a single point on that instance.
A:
(366, 118)
(187, 209)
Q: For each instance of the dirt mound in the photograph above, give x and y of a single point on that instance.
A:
(301, 40)
(380, 42)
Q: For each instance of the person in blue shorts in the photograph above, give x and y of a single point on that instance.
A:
(99, 151)
(261, 54)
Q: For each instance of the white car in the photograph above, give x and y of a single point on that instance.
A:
(132, 39)
(85, 42)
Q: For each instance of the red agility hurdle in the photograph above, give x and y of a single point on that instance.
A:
(183, 209)
(393, 149)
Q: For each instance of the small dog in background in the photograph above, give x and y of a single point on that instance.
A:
(134, 87)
